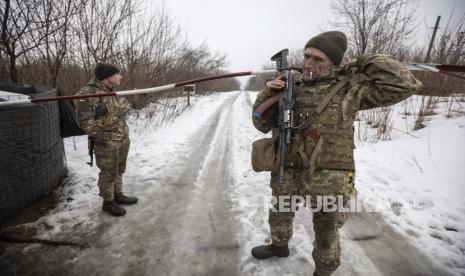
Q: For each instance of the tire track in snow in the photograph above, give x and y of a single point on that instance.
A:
(208, 245)
(155, 233)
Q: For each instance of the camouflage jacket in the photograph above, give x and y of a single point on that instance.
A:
(103, 119)
(382, 81)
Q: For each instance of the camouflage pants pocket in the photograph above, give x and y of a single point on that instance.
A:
(348, 189)
(331, 182)
(111, 160)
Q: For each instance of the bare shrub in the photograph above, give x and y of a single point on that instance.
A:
(379, 119)
(428, 104)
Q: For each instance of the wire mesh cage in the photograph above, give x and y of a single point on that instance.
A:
(32, 156)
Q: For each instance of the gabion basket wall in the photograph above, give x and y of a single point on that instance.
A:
(32, 157)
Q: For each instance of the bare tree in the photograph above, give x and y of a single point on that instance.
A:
(59, 42)
(381, 26)
(98, 27)
(22, 30)
(3, 65)
(55, 46)
(150, 48)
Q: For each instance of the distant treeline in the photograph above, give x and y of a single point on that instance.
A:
(58, 43)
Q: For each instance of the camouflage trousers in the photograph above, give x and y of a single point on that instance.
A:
(326, 224)
(111, 160)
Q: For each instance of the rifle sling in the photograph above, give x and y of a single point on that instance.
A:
(315, 153)
(326, 100)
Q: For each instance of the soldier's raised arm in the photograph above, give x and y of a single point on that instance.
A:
(388, 81)
(268, 120)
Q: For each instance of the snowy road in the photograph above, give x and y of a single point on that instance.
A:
(200, 212)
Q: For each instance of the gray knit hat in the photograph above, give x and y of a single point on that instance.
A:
(333, 44)
(104, 70)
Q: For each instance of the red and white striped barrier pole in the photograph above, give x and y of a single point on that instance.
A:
(152, 90)
(438, 68)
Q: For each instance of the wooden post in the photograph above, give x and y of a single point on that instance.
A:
(189, 89)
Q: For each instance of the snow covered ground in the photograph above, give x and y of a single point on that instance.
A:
(416, 182)
(417, 179)
(202, 208)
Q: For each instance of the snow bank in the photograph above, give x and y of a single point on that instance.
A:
(417, 179)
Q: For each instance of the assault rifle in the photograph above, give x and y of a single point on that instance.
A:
(286, 109)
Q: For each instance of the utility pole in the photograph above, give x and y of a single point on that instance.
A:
(419, 123)
(428, 54)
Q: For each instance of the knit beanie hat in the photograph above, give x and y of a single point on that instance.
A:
(333, 44)
(104, 70)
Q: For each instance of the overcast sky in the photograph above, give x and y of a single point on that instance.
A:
(251, 31)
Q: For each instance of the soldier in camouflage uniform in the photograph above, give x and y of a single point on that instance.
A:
(320, 160)
(103, 119)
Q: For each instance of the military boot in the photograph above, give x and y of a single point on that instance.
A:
(113, 209)
(267, 251)
(122, 199)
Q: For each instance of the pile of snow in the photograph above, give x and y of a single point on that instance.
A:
(416, 180)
